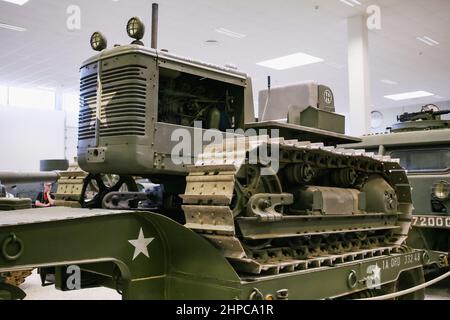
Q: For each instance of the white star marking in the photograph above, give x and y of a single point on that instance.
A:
(140, 245)
(377, 273)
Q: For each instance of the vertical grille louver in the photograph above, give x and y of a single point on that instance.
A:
(123, 102)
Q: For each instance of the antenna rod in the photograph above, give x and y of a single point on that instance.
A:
(155, 11)
(269, 85)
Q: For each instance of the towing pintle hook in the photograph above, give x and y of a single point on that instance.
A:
(12, 241)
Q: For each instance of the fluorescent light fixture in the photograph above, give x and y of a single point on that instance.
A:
(431, 40)
(230, 33)
(351, 3)
(18, 2)
(428, 41)
(409, 95)
(389, 82)
(11, 27)
(290, 61)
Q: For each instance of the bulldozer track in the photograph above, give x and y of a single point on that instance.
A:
(267, 241)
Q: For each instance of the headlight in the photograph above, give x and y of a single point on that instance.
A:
(98, 41)
(441, 190)
(135, 28)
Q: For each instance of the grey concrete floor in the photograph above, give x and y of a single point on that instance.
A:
(34, 291)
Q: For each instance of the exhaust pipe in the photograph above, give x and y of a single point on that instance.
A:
(155, 12)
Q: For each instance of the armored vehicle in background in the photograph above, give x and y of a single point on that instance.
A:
(421, 141)
(269, 210)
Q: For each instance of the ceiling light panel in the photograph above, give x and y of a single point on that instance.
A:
(409, 95)
(18, 2)
(290, 61)
(230, 33)
(11, 27)
(429, 41)
(351, 3)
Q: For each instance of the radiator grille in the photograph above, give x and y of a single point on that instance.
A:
(123, 103)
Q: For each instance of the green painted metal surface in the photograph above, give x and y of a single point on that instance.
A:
(180, 264)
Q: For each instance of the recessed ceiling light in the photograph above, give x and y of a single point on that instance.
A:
(409, 95)
(290, 61)
(389, 82)
(230, 33)
(428, 41)
(351, 3)
(11, 27)
(18, 2)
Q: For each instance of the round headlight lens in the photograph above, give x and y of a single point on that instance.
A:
(98, 41)
(441, 190)
(135, 28)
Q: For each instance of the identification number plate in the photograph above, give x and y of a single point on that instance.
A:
(431, 222)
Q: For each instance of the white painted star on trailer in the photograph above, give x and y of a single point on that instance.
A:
(377, 272)
(140, 245)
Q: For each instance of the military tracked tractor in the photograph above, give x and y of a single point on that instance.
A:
(271, 211)
(421, 140)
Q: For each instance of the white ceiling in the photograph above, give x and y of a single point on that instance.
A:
(48, 55)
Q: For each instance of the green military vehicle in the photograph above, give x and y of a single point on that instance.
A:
(421, 141)
(249, 210)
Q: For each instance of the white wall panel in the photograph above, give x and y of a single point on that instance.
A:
(28, 136)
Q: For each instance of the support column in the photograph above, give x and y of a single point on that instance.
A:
(59, 99)
(358, 75)
(59, 106)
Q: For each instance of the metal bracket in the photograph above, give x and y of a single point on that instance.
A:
(96, 155)
(123, 200)
(158, 161)
(264, 206)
